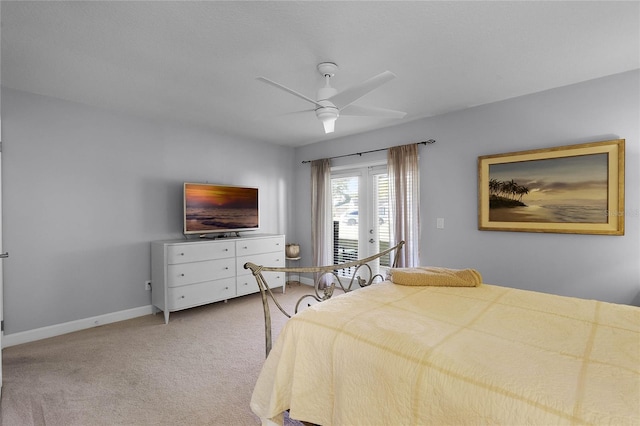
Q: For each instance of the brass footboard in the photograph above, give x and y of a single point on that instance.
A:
(336, 273)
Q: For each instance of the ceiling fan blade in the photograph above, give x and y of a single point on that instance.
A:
(286, 89)
(366, 111)
(304, 111)
(353, 93)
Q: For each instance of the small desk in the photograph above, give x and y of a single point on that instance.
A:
(286, 280)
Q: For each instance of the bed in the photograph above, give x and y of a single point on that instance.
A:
(436, 355)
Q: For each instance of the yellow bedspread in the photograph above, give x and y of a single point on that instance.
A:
(400, 355)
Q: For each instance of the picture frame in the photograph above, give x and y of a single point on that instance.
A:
(574, 189)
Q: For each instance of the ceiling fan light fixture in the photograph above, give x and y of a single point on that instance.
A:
(328, 116)
(329, 125)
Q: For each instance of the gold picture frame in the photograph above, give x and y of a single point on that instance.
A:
(573, 189)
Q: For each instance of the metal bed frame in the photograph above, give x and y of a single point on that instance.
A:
(322, 273)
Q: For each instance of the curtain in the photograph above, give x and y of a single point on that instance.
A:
(404, 201)
(321, 221)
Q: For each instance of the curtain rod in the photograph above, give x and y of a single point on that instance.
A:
(430, 141)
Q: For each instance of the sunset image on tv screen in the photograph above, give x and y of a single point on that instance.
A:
(219, 208)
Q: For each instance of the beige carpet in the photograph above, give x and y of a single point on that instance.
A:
(197, 370)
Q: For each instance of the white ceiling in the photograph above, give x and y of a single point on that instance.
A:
(197, 62)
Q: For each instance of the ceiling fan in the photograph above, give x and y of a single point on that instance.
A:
(330, 103)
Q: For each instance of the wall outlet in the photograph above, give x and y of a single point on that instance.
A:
(147, 285)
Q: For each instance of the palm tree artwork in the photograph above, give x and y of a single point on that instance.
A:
(506, 194)
(566, 189)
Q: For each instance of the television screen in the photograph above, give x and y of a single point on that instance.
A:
(219, 208)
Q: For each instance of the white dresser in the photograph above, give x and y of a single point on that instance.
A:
(187, 273)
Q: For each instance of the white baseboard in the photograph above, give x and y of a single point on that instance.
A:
(306, 281)
(71, 326)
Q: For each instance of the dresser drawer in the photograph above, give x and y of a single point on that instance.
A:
(198, 294)
(195, 272)
(259, 245)
(275, 259)
(195, 252)
(247, 284)
(274, 279)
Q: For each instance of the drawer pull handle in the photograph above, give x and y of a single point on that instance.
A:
(226, 268)
(226, 288)
(245, 247)
(181, 254)
(182, 297)
(226, 249)
(182, 275)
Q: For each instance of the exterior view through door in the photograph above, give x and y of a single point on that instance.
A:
(360, 211)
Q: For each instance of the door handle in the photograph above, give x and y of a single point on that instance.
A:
(4, 255)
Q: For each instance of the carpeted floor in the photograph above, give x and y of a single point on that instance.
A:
(197, 370)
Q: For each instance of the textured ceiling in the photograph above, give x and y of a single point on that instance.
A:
(197, 62)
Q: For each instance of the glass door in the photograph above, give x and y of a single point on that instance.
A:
(380, 229)
(360, 214)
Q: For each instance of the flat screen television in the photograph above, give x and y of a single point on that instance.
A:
(211, 208)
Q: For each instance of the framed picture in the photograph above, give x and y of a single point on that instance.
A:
(577, 189)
